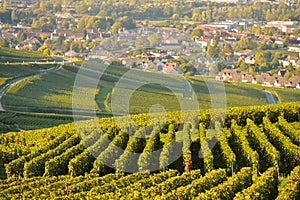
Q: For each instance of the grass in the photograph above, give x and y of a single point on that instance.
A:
(236, 94)
(101, 97)
(282, 94)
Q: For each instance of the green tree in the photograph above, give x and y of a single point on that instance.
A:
(21, 36)
(141, 43)
(46, 52)
(213, 51)
(227, 52)
(4, 43)
(14, 17)
(116, 26)
(275, 59)
(187, 68)
(154, 40)
(196, 33)
(260, 60)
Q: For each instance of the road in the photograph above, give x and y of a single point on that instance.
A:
(270, 98)
(6, 87)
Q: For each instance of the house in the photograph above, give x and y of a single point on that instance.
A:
(245, 77)
(229, 75)
(258, 79)
(293, 82)
(286, 61)
(71, 53)
(170, 43)
(250, 60)
(294, 48)
(279, 43)
(244, 53)
(64, 16)
(269, 81)
(282, 72)
(171, 68)
(279, 81)
(127, 61)
(204, 41)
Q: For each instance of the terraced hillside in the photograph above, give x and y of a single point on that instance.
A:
(256, 156)
(53, 91)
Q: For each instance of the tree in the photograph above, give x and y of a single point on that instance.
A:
(46, 52)
(216, 67)
(59, 42)
(4, 43)
(213, 51)
(127, 22)
(21, 36)
(196, 33)
(260, 60)
(14, 17)
(196, 15)
(188, 68)
(115, 27)
(154, 40)
(227, 52)
(275, 59)
(250, 70)
(141, 43)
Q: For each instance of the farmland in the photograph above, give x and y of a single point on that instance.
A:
(54, 91)
(256, 155)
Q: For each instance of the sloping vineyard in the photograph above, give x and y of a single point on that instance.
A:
(256, 156)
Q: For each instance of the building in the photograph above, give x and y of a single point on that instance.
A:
(17, 3)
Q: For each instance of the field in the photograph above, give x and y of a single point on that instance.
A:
(13, 55)
(255, 156)
(18, 121)
(11, 71)
(54, 91)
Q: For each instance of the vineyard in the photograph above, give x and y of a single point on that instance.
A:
(256, 155)
(13, 55)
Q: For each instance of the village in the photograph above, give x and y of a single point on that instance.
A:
(239, 50)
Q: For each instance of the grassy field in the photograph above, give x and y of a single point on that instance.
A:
(282, 94)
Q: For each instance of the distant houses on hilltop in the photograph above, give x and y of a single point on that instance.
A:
(265, 79)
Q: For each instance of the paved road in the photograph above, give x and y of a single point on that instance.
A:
(270, 98)
(6, 87)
